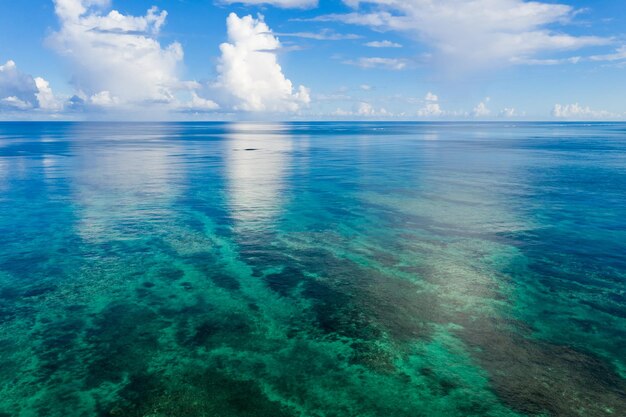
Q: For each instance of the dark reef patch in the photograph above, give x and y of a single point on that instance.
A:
(535, 377)
(206, 393)
(225, 281)
(39, 289)
(209, 328)
(56, 347)
(121, 341)
(285, 281)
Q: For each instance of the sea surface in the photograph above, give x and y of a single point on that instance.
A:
(312, 269)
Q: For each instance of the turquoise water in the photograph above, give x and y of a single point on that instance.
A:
(312, 269)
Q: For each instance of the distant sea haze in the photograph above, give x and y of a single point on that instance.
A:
(312, 269)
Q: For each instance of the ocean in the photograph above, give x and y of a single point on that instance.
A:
(312, 269)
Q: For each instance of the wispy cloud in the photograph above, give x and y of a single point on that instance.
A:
(395, 64)
(476, 34)
(285, 4)
(383, 44)
(547, 61)
(323, 35)
(618, 55)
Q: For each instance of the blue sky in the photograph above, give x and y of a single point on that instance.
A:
(308, 59)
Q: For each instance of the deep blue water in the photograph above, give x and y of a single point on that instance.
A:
(312, 269)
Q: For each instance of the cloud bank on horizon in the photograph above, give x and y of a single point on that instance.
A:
(420, 59)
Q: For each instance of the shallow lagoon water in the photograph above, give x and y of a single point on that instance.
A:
(312, 269)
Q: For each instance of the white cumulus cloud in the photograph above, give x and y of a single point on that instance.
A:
(45, 96)
(20, 91)
(17, 90)
(249, 73)
(116, 58)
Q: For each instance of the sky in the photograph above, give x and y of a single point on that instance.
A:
(312, 60)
